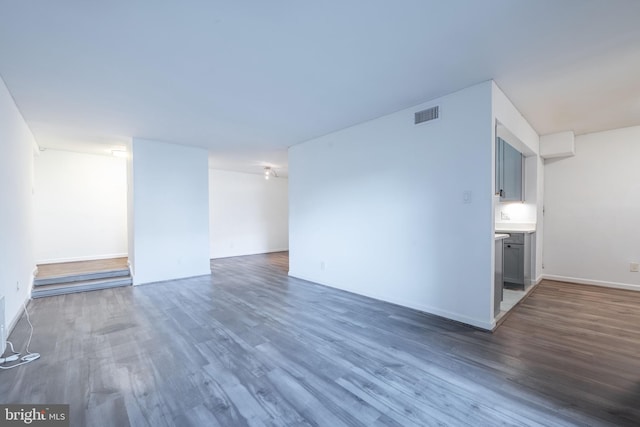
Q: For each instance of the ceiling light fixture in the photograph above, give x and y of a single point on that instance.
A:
(269, 172)
(120, 153)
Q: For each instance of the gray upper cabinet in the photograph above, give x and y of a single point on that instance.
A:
(509, 172)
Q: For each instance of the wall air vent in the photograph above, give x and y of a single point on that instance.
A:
(427, 115)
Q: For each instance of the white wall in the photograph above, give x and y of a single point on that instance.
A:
(248, 214)
(80, 206)
(592, 210)
(17, 259)
(170, 211)
(130, 216)
(377, 209)
(531, 210)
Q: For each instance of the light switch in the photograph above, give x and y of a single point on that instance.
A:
(467, 196)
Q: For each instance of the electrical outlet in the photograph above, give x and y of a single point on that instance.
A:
(18, 285)
(322, 265)
(504, 216)
(467, 196)
(634, 267)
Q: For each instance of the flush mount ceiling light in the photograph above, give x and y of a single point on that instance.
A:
(269, 172)
(120, 153)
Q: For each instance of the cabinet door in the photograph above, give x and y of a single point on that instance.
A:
(513, 263)
(498, 283)
(511, 173)
(499, 166)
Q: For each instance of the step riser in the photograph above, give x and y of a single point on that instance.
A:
(40, 293)
(80, 277)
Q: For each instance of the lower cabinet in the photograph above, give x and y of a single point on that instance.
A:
(498, 279)
(513, 263)
(518, 259)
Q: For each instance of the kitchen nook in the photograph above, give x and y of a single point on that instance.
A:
(518, 170)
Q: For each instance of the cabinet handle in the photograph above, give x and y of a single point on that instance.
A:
(508, 246)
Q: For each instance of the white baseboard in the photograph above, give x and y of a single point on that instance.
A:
(81, 258)
(489, 326)
(16, 318)
(250, 253)
(582, 281)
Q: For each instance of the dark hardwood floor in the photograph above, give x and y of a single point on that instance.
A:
(251, 346)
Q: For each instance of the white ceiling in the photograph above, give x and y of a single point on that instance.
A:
(248, 79)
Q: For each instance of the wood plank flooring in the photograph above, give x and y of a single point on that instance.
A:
(250, 346)
(77, 267)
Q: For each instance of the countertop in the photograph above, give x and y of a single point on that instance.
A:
(512, 227)
(500, 236)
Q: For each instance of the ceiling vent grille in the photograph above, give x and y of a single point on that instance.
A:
(427, 115)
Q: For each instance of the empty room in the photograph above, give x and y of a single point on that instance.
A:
(288, 213)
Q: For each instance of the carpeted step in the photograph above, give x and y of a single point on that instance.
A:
(81, 277)
(80, 286)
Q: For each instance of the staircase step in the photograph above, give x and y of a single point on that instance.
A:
(80, 286)
(81, 277)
